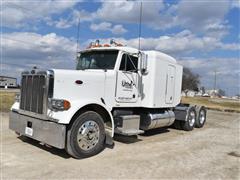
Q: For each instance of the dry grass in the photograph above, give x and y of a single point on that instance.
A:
(6, 100)
(214, 103)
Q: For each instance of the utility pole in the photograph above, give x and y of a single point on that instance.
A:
(215, 80)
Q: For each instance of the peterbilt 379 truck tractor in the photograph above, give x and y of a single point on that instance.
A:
(115, 89)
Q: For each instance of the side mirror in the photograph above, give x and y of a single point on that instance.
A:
(144, 59)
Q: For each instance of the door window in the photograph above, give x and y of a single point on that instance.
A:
(129, 63)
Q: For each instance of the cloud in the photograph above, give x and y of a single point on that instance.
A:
(118, 29)
(227, 70)
(184, 42)
(106, 26)
(128, 11)
(72, 20)
(203, 25)
(201, 17)
(62, 24)
(217, 29)
(155, 14)
(198, 16)
(17, 14)
(23, 50)
(204, 16)
(235, 4)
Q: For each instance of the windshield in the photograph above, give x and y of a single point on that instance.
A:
(97, 60)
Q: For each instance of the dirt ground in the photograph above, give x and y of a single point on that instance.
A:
(212, 152)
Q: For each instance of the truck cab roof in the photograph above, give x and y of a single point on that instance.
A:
(150, 53)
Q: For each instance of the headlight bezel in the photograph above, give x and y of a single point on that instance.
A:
(59, 104)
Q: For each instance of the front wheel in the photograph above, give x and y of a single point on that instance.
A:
(86, 135)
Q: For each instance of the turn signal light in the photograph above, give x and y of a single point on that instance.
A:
(66, 104)
(59, 104)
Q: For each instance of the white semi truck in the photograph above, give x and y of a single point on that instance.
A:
(114, 90)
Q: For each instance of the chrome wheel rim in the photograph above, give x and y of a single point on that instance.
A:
(191, 118)
(88, 135)
(202, 116)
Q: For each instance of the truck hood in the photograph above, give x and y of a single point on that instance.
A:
(65, 86)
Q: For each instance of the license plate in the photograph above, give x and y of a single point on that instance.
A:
(29, 131)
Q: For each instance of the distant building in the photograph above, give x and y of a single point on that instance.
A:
(189, 93)
(8, 82)
(237, 97)
(207, 93)
(215, 93)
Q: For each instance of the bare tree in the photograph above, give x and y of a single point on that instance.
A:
(202, 89)
(221, 92)
(190, 80)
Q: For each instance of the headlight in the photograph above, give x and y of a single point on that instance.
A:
(17, 97)
(59, 104)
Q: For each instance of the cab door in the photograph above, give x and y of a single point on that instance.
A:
(127, 80)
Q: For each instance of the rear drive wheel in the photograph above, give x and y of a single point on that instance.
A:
(201, 117)
(86, 135)
(189, 124)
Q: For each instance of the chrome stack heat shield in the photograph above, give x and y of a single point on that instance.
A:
(156, 120)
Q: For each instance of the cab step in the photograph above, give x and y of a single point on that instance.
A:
(128, 132)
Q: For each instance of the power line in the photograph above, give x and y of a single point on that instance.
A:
(215, 80)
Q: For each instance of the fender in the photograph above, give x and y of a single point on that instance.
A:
(64, 117)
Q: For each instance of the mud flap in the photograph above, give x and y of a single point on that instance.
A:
(109, 141)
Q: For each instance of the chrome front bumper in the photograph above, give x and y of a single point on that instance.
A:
(47, 132)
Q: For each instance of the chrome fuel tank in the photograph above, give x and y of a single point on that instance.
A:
(156, 120)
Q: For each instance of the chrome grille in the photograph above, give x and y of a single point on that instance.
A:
(35, 91)
(32, 93)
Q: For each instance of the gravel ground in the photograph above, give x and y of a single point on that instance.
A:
(212, 152)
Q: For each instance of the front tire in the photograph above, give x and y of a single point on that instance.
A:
(86, 135)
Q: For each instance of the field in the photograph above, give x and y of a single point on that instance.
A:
(7, 99)
(214, 103)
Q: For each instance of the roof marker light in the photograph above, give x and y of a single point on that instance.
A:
(97, 43)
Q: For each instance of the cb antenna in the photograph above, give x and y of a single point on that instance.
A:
(140, 27)
(78, 30)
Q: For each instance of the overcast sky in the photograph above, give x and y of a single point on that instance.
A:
(202, 35)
